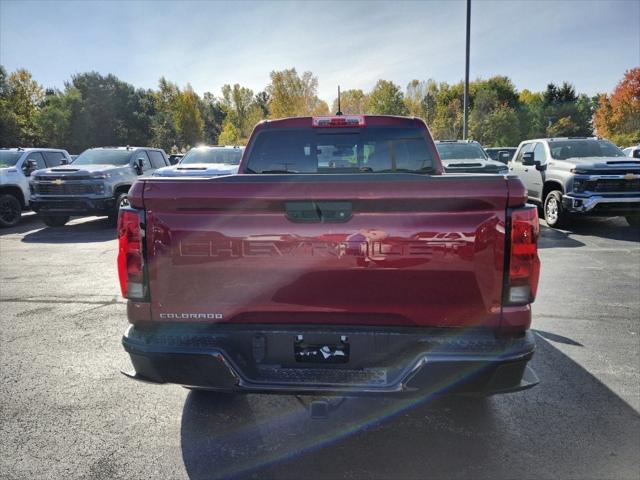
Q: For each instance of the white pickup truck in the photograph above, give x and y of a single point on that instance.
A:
(205, 161)
(16, 165)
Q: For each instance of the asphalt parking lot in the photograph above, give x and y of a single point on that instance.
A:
(67, 412)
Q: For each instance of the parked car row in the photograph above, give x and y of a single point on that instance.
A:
(566, 177)
(58, 186)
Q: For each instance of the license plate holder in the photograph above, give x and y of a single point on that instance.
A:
(325, 352)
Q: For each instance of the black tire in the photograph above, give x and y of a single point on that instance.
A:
(554, 213)
(633, 221)
(10, 210)
(122, 200)
(54, 221)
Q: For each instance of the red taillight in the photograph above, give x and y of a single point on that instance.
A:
(524, 264)
(130, 259)
(339, 121)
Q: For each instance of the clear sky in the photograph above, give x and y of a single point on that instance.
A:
(208, 44)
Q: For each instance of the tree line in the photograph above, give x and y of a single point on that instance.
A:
(99, 110)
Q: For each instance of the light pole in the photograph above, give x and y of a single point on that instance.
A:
(465, 125)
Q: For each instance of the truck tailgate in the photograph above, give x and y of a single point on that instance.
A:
(360, 249)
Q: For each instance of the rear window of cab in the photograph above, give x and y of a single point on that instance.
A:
(333, 150)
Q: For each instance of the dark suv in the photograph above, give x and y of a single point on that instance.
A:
(95, 183)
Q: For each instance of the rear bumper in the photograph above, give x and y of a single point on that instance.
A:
(73, 205)
(599, 205)
(381, 360)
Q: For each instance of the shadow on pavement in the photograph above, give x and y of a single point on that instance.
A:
(91, 231)
(28, 222)
(570, 426)
(558, 338)
(609, 228)
(552, 238)
(614, 228)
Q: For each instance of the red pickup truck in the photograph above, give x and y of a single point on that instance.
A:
(340, 260)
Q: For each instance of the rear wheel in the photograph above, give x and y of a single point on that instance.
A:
(554, 213)
(633, 221)
(10, 210)
(57, 221)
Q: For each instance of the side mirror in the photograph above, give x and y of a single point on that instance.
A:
(504, 156)
(541, 167)
(139, 166)
(64, 161)
(30, 166)
(527, 159)
(636, 153)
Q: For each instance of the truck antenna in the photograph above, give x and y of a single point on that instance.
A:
(339, 112)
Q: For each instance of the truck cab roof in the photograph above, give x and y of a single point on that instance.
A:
(128, 147)
(365, 121)
(31, 149)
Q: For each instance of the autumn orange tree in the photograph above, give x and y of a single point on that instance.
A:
(618, 115)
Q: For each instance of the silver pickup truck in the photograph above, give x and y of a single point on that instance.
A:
(573, 176)
(95, 183)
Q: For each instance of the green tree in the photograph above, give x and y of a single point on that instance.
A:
(230, 134)
(492, 121)
(139, 117)
(22, 99)
(293, 95)
(262, 101)
(421, 99)
(239, 104)
(55, 121)
(9, 128)
(352, 102)
(213, 115)
(386, 98)
(564, 127)
(320, 108)
(112, 112)
(531, 114)
(447, 124)
(256, 115)
(164, 133)
(498, 128)
(502, 87)
(562, 103)
(188, 119)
